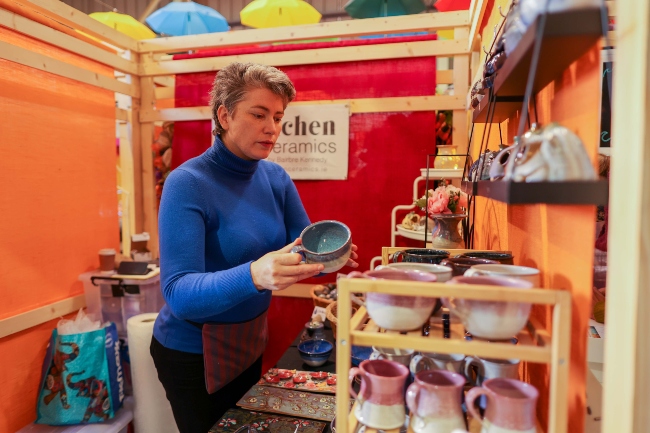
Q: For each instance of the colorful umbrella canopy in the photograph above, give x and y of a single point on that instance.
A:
(452, 5)
(187, 18)
(383, 8)
(124, 24)
(277, 13)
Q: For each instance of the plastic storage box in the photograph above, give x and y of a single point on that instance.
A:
(116, 297)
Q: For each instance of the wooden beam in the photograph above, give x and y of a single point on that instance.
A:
(310, 57)
(165, 81)
(365, 105)
(53, 37)
(627, 340)
(149, 200)
(164, 93)
(35, 317)
(460, 125)
(62, 69)
(61, 12)
(332, 29)
(121, 115)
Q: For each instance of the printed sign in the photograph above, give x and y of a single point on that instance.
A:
(314, 142)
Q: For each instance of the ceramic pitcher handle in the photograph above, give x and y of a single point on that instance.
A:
(468, 363)
(471, 396)
(420, 363)
(396, 256)
(354, 372)
(412, 396)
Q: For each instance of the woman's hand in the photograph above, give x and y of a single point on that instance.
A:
(353, 256)
(278, 270)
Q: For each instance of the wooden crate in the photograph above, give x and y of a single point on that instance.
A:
(535, 343)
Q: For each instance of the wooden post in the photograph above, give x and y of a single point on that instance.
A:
(149, 202)
(461, 87)
(627, 345)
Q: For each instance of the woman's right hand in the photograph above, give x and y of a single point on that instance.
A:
(278, 270)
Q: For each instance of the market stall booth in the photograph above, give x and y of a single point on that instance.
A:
(77, 205)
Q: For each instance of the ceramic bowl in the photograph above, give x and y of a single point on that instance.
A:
(360, 354)
(460, 265)
(395, 312)
(315, 352)
(503, 258)
(491, 320)
(328, 243)
(420, 255)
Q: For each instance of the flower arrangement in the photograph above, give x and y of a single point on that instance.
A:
(446, 199)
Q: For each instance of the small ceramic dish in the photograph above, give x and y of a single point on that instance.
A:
(315, 352)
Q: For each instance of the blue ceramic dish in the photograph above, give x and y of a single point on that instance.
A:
(315, 352)
(359, 354)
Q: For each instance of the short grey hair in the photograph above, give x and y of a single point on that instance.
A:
(233, 81)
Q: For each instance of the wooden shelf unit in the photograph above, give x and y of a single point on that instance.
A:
(587, 192)
(535, 343)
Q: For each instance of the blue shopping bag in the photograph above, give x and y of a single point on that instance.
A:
(82, 380)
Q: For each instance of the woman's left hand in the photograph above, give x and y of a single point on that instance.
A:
(353, 256)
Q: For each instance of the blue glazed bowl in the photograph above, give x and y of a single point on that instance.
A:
(315, 352)
(326, 242)
(360, 354)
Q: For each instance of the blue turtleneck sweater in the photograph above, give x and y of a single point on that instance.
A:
(218, 214)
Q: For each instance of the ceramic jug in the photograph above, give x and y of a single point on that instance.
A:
(435, 402)
(381, 397)
(510, 406)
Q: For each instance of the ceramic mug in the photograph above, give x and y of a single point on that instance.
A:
(510, 271)
(503, 258)
(437, 361)
(328, 243)
(490, 369)
(434, 399)
(459, 265)
(491, 320)
(395, 312)
(401, 356)
(381, 397)
(420, 255)
(510, 406)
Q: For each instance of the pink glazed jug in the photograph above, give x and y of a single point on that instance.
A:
(510, 406)
(381, 397)
(435, 402)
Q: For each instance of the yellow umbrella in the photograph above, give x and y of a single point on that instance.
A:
(124, 24)
(278, 13)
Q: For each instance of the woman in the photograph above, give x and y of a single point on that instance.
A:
(227, 221)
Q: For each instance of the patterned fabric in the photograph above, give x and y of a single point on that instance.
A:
(290, 402)
(263, 422)
(230, 348)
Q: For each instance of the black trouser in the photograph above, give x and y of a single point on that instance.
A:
(182, 376)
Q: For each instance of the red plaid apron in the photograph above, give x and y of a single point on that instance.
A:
(230, 348)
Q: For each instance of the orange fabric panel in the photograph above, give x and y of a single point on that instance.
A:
(58, 205)
(558, 240)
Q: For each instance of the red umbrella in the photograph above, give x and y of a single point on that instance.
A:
(452, 5)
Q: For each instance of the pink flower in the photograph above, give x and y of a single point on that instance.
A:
(438, 203)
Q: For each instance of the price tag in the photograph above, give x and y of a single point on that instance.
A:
(319, 311)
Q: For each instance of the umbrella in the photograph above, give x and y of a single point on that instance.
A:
(187, 18)
(277, 13)
(383, 8)
(124, 24)
(452, 5)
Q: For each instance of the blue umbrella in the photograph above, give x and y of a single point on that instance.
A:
(187, 18)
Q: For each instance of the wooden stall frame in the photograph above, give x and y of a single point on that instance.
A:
(353, 330)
